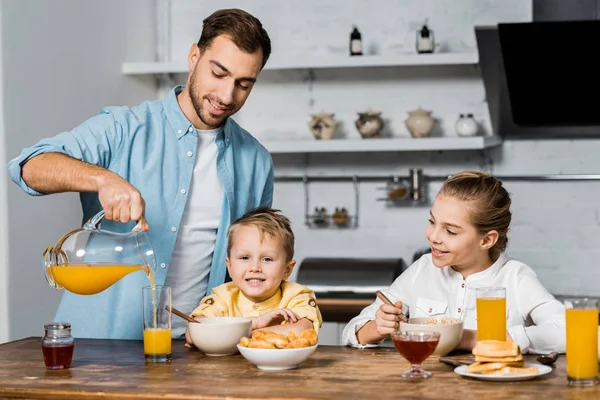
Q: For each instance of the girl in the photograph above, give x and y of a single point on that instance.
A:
(467, 231)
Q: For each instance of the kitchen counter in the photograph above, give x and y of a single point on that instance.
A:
(115, 369)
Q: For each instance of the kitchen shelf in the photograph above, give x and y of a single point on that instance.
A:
(381, 144)
(326, 61)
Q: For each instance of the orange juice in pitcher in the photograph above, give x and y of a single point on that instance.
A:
(88, 260)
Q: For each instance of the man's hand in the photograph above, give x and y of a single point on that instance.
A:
(387, 319)
(275, 317)
(121, 201)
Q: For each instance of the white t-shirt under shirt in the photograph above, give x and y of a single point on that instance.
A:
(192, 257)
(534, 318)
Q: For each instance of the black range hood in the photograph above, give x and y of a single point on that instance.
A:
(542, 78)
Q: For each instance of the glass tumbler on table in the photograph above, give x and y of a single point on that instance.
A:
(415, 347)
(491, 313)
(157, 323)
(582, 341)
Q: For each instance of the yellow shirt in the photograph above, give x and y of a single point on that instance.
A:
(227, 300)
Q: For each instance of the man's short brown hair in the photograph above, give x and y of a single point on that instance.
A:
(244, 29)
(270, 222)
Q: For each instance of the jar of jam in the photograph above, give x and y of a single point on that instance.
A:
(58, 345)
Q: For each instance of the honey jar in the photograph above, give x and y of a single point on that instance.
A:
(58, 345)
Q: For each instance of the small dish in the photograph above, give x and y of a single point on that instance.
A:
(542, 370)
(276, 359)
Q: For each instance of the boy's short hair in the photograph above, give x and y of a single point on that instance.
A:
(269, 221)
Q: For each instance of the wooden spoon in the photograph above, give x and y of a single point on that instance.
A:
(180, 314)
(384, 299)
(387, 301)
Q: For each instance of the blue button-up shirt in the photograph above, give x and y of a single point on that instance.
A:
(153, 146)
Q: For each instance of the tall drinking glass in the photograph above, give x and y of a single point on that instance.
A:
(157, 323)
(491, 313)
(582, 341)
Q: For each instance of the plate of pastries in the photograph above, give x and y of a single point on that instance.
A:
(274, 351)
(497, 360)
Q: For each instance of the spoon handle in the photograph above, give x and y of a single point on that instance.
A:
(180, 314)
(384, 299)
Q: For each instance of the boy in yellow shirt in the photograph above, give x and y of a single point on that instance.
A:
(259, 261)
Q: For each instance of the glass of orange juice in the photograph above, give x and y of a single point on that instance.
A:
(582, 341)
(157, 323)
(491, 313)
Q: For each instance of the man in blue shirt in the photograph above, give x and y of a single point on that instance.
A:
(180, 166)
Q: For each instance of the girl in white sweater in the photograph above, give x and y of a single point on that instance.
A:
(467, 232)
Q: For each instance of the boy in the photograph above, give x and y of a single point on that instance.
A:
(260, 260)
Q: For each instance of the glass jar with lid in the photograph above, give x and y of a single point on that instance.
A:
(58, 345)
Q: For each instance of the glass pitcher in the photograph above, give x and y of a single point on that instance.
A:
(89, 260)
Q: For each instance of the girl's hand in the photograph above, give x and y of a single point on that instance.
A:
(275, 317)
(387, 319)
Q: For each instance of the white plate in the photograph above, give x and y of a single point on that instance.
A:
(542, 370)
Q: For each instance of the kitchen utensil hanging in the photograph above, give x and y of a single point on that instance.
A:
(320, 218)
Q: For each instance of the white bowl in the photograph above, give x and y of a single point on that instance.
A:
(277, 359)
(219, 336)
(450, 333)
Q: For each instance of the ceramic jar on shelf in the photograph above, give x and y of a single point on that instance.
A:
(369, 123)
(323, 125)
(466, 125)
(419, 123)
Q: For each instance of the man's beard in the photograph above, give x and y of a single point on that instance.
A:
(197, 103)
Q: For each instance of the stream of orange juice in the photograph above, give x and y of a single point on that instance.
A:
(491, 319)
(582, 343)
(91, 278)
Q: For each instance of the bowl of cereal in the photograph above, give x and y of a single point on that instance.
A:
(450, 329)
(270, 351)
(218, 336)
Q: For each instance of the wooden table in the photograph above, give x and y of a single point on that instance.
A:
(115, 369)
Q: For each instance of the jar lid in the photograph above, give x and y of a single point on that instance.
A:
(57, 325)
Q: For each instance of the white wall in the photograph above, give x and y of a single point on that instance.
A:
(4, 320)
(61, 64)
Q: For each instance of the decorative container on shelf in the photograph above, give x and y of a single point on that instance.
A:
(466, 125)
(323, 125)
(419, 123)
(369, 123)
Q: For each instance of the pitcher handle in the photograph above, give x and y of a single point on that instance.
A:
(94, 223)
(48, 268)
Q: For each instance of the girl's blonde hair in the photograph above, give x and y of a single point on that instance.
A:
(489, 204)
(269, 221)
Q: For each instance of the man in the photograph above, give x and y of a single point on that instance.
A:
(180, 165)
